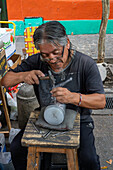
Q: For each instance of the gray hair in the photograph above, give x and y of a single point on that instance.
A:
(52, 32)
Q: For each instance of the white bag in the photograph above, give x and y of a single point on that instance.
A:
(5, 161)
(13, 132)
(13, 104)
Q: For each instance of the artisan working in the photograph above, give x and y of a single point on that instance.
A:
(83, 93)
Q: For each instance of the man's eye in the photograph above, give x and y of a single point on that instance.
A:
(44, 55)
(56, 53)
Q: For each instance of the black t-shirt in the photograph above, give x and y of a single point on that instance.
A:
(80, 76)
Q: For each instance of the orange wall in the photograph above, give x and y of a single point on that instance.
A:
(56, 9)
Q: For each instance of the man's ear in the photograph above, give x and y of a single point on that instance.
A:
(68, 43)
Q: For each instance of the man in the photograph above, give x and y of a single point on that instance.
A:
(83, 93)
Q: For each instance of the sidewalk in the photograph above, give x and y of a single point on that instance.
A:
(88, 44)
(104, 138)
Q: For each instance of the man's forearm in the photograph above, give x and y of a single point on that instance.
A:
(92, 101)
(30, 77)
(12, 78)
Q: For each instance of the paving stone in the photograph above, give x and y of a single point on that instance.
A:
(87, 44)
(104, 138)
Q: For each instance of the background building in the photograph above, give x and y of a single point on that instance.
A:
(78, 16)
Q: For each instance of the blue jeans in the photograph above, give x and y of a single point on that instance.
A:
(88, 159)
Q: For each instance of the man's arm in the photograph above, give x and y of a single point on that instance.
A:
(91, 101)
(30, 77)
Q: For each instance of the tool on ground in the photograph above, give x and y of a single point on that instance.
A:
(59, 133)
(35, 126)
(47, 134)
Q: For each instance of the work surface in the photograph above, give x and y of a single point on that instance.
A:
(69, 139)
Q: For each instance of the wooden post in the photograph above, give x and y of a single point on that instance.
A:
(102, 32)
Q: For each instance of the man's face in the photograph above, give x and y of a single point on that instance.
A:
(55, 56)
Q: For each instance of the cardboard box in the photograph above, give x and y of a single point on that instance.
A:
(7, 36)
(3, 63)
(16, 59)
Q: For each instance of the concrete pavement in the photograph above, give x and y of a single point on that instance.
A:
(104, 138)
(87, 44)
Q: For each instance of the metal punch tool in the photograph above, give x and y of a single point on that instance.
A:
(47, 134)
(59, 133)
(34, 126)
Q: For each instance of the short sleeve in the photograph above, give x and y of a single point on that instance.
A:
(31, 63)
(93, 80)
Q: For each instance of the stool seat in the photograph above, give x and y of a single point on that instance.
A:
(67, 143)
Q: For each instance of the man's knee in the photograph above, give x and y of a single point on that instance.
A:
(16, 148)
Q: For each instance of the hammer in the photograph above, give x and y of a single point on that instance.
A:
(51, 77)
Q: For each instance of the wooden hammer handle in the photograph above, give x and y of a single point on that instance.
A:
(44, 78)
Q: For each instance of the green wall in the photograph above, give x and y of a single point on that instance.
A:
(75, 26)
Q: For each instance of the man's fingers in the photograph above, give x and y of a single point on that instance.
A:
(56, 89)
(56, 93)
(29, 81)
(36, 74)
(35, 79)
(39, 73)
(33, 75)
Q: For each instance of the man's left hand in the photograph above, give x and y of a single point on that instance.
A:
(63, 95)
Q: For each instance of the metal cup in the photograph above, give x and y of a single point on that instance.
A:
(54, 114)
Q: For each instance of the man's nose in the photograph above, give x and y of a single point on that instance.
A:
(52, 58)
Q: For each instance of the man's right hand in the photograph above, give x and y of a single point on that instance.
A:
(32, 77)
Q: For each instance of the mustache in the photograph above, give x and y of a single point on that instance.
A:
(57, 62)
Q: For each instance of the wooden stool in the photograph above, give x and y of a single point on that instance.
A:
(67, 143)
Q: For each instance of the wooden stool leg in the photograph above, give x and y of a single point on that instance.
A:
(33, 159)
(77, 166)
(72, 159)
